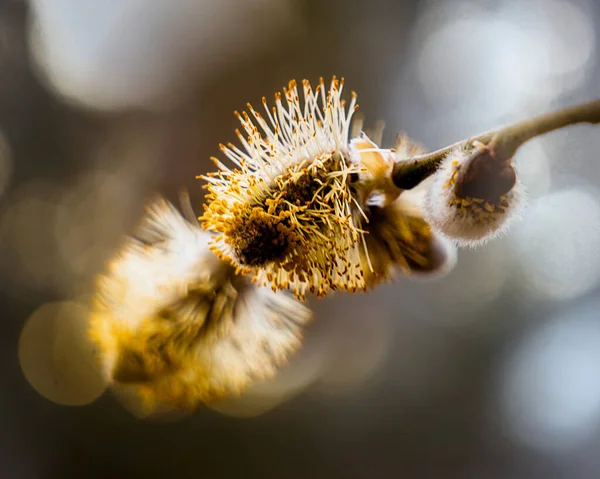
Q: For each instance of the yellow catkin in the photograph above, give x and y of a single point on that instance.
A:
(178, 327)
(294, 210)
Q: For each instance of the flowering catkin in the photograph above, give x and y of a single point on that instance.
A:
(178, 327)
(295, 210)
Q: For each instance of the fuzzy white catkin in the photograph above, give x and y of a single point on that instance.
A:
(470, 221)
(223, 333)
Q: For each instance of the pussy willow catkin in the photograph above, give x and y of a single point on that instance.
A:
(178, 327)
(473, 216)
(301, 197)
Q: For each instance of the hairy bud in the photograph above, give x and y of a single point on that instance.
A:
(473, 196)
(399, 239)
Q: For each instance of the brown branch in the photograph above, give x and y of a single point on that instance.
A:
(503, 142)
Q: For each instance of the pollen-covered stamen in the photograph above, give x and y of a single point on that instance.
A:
(293, 213)
(267, 231)
(301, 213)
(287, 213)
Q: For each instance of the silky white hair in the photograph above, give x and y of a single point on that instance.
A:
(469, 221)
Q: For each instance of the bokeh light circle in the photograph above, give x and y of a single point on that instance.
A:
(56, 356)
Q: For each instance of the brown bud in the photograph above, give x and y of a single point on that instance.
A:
(485, 176)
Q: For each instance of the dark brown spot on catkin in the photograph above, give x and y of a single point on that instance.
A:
(268, 232)
(262, 238)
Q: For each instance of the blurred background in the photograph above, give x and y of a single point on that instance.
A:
(491, 372)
